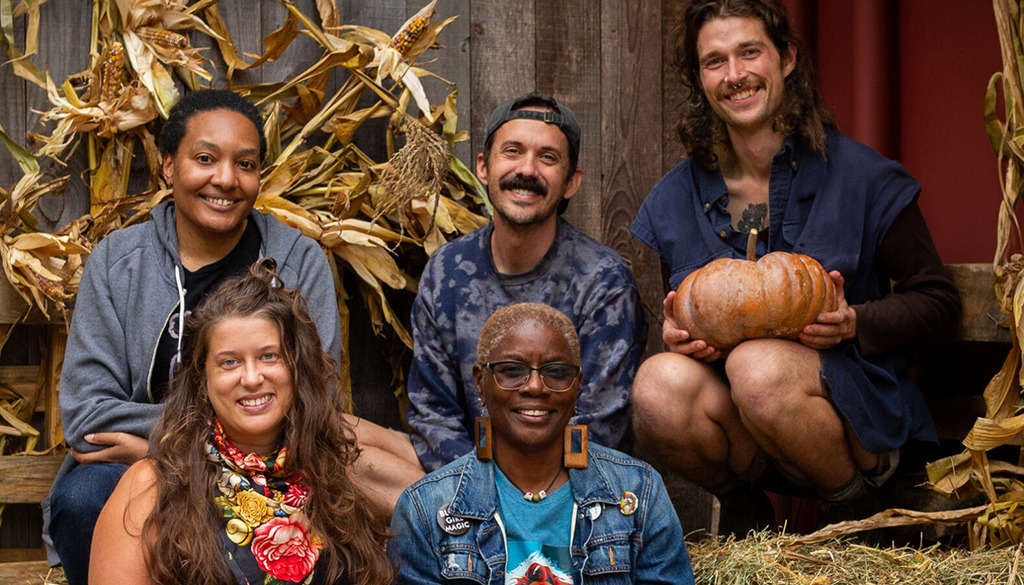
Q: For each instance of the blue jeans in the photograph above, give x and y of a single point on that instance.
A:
(75, 506)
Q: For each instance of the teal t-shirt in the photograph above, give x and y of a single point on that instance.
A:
(536, 534)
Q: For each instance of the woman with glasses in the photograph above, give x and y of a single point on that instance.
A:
(535, 503)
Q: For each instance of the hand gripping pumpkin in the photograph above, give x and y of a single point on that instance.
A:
(729, 301)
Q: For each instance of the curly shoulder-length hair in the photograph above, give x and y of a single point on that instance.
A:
(803, 114)
(180, 534)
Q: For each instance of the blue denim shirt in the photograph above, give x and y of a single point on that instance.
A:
(608, 546)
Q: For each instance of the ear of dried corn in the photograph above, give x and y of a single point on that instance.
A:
(162, 37)
(113, 72)
(412, 30)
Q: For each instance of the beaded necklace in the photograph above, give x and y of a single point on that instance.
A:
(536, 497)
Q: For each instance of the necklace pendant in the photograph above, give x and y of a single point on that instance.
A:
(535, 497)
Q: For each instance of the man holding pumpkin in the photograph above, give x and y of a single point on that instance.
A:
(827, 412)
(528, 254)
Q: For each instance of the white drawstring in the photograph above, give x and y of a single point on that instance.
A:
(181, 309)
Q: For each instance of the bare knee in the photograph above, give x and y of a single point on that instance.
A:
(672, 391)
(668, 384)
(767, 377)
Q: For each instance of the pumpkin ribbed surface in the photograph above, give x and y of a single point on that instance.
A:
(728, 300)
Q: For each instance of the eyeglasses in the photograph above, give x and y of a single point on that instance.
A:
(513, 375)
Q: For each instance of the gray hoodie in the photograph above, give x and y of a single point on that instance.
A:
(127, 294)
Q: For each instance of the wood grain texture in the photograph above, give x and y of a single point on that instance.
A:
(503, 59)
(63, 50)
(13, 111)
(981, 318)
(672, 89)
(25, 572)
(302, 53)
(24, 381)
(569, 68)
(453, 63)
(386, 16)
(631, 153)
(56, 343)
(27, 479)
(12, 307)
(245, 22)
(20, 556)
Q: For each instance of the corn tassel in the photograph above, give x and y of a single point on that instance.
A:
(407, 37)
(113, 73)
(163, 37)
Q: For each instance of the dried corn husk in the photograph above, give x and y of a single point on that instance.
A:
(973, 472)
(377, 219)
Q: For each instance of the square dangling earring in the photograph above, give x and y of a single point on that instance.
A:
(482, 437)
(575, 447)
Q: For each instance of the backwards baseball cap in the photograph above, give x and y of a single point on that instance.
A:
(561, 117)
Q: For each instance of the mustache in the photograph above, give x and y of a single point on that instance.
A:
(521, 183)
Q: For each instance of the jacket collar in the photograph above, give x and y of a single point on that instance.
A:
(476, 496)
(163, 220)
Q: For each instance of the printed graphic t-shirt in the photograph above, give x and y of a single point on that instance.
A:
(536, 534)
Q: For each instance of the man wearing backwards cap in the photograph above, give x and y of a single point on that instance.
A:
(528, 254)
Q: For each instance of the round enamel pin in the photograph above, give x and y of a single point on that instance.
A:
(453, 525)
(628, 503)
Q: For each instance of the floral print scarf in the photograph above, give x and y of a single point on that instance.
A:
(266, 537)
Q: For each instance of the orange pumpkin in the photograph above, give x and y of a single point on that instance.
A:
(729, 300)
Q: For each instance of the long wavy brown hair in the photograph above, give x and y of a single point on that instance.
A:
(180, 534)
(803, 114)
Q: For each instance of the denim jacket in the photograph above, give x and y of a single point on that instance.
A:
(609, 546)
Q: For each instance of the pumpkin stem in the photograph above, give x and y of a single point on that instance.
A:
(752, 245)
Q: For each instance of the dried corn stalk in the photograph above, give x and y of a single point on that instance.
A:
(973, 472)
(378, 219)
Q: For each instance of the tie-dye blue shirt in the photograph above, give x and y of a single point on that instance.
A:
(459, 290)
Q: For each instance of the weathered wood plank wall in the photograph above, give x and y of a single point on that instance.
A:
(604, 59)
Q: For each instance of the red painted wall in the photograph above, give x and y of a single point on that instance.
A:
(908, 77)
(949, 50)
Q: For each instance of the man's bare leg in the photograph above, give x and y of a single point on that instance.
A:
(776, 385)
(686, 422)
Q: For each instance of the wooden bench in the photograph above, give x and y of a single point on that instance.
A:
(26, 573)
(953, 380)
(25, 480)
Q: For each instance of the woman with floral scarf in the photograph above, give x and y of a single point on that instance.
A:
(247, 480)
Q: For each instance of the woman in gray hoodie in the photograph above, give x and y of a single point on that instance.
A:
(139, 284)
